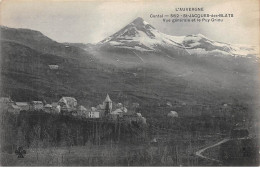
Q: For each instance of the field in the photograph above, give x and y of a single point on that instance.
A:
(113, 154)
(52, 140)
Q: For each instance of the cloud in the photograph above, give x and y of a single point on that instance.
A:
(81, 21)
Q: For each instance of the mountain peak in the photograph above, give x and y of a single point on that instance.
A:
(201, 35)
(141, 23)
(131, 31)
(138, 20)
(140, 35)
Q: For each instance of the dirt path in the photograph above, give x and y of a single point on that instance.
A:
(200, 152)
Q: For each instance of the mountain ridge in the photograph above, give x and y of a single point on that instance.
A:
(142, 36)
(38, 41)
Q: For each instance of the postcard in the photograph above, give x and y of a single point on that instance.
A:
(133, 83)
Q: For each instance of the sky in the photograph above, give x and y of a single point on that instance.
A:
(92, 21)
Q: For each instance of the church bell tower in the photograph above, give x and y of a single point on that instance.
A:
(107, 105)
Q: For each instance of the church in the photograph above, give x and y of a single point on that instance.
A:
(107, 105)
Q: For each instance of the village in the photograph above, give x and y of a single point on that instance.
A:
(128, 124)
(69, 106)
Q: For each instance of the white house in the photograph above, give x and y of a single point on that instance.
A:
(55, 108)
(93, 114)
(67, 103)
(82, 111)
(100, 107)
(119, 111)
(24, 106)
(54, 67)
(47, 108)
(119, 105)
(5, 100)
(14, 109)
(5, 103)
(36, 105)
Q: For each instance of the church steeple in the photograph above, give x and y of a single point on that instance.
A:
(107, 99)
(107, 105)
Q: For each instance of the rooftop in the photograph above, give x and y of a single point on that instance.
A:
(107, 99)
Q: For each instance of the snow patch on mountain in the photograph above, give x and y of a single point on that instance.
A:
(142, 36)
(199, 44)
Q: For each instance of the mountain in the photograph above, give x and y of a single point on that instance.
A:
(206, 66)
(26, 74)
(199, 44)
(37, 41)
(151, 76)
(142, 36)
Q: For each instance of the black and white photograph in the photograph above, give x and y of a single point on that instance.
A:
(134, 83)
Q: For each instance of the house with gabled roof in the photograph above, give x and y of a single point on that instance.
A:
(82, 111)
(14, 109)
(6, 100)
(68, 104)
(47, 108)
(24, 106)
(55, 108)
(36, 105)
